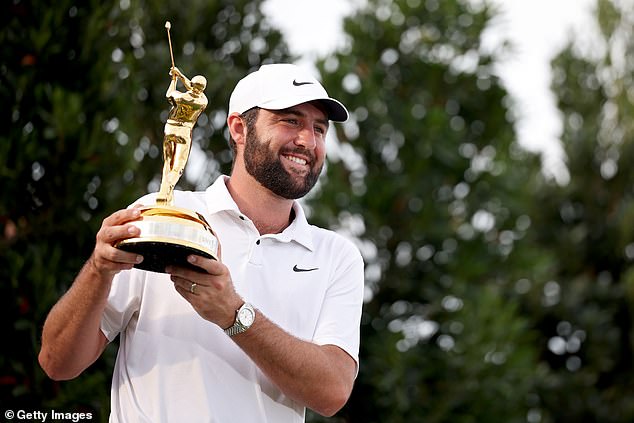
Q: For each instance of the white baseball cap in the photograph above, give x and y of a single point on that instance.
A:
(279, 86)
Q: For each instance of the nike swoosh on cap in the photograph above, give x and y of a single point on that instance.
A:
(297, 84)
(299, 269)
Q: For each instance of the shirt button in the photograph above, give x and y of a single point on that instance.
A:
(257, 242)
(242, 218)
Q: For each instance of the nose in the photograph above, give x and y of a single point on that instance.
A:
(306, 138)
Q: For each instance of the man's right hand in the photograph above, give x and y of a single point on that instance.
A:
(106, 259)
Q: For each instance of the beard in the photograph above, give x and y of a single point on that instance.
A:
(265, 166)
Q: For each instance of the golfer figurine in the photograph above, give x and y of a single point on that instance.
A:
(186, 107)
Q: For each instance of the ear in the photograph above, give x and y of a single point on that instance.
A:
(237, 128)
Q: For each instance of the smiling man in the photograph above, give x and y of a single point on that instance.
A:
(259, 336)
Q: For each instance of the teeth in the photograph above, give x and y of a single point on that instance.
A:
(296, 160)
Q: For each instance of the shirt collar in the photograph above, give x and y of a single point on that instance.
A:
(218, 199)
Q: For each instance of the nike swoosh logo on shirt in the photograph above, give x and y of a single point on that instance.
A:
(299, 269)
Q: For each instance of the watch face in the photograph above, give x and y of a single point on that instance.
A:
(246, 317)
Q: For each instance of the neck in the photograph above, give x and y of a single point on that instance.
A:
(270, 213)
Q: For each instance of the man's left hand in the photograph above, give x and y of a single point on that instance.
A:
(210, 291)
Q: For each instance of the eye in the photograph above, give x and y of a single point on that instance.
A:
(320, 129)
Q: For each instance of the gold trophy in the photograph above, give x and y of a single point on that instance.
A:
(169, 234)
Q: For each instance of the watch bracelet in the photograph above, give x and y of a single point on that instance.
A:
(235, 329)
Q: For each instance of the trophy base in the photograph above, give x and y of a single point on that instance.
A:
(158, 255)
(168, 235)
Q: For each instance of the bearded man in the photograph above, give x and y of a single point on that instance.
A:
(258, 336)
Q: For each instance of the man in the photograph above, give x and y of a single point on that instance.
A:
(270, 329)
(186, 107)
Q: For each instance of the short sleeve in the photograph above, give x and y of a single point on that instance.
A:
(123, 302)
(340, 316)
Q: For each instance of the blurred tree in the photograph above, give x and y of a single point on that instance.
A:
(428, 176)
(586, 315)
(83, 86)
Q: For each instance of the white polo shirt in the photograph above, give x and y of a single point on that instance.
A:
(174, 366)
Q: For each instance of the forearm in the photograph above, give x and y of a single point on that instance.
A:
(171, 88)
(71, 337)
(319, 377)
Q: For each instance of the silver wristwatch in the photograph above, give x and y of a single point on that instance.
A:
(245, 316)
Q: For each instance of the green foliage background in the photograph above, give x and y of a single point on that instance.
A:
(493, 294)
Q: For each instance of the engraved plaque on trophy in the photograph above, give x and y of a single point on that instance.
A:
(168, 233)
